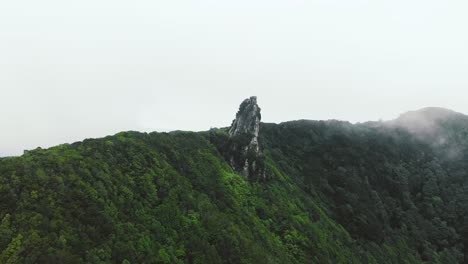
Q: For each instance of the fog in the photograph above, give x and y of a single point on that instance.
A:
(71, 70)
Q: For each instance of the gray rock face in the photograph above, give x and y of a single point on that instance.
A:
(246, 156)
(247, 120)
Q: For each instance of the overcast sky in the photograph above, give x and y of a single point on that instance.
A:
(72, 69)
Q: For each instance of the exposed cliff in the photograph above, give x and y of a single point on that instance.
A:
(247, 119)
(244, 152)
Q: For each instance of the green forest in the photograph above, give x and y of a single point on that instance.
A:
(334, 192)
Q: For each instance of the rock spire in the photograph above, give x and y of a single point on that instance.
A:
(246, 156)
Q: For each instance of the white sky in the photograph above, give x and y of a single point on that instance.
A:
(73, 69)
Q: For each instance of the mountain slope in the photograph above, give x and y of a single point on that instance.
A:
(332, 192)
(380, 185)
(165, 198)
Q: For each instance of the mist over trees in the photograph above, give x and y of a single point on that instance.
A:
(334, 192)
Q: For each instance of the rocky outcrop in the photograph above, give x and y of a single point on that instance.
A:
(247, 122)
(245, 154)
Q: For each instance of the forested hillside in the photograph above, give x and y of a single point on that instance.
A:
(327, 192)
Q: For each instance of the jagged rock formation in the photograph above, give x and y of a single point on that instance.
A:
(245, 155)
(247, 121)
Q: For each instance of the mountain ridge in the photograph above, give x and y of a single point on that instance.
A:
(334, 192)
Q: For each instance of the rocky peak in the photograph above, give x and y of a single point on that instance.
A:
(247, 119)
(245, 155)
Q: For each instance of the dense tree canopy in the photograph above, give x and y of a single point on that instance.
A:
(334, 193)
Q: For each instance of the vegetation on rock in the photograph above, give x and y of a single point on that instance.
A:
(335, 193)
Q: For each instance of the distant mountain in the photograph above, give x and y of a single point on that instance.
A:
(295, 192)
(444, 129)
(428, 121)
